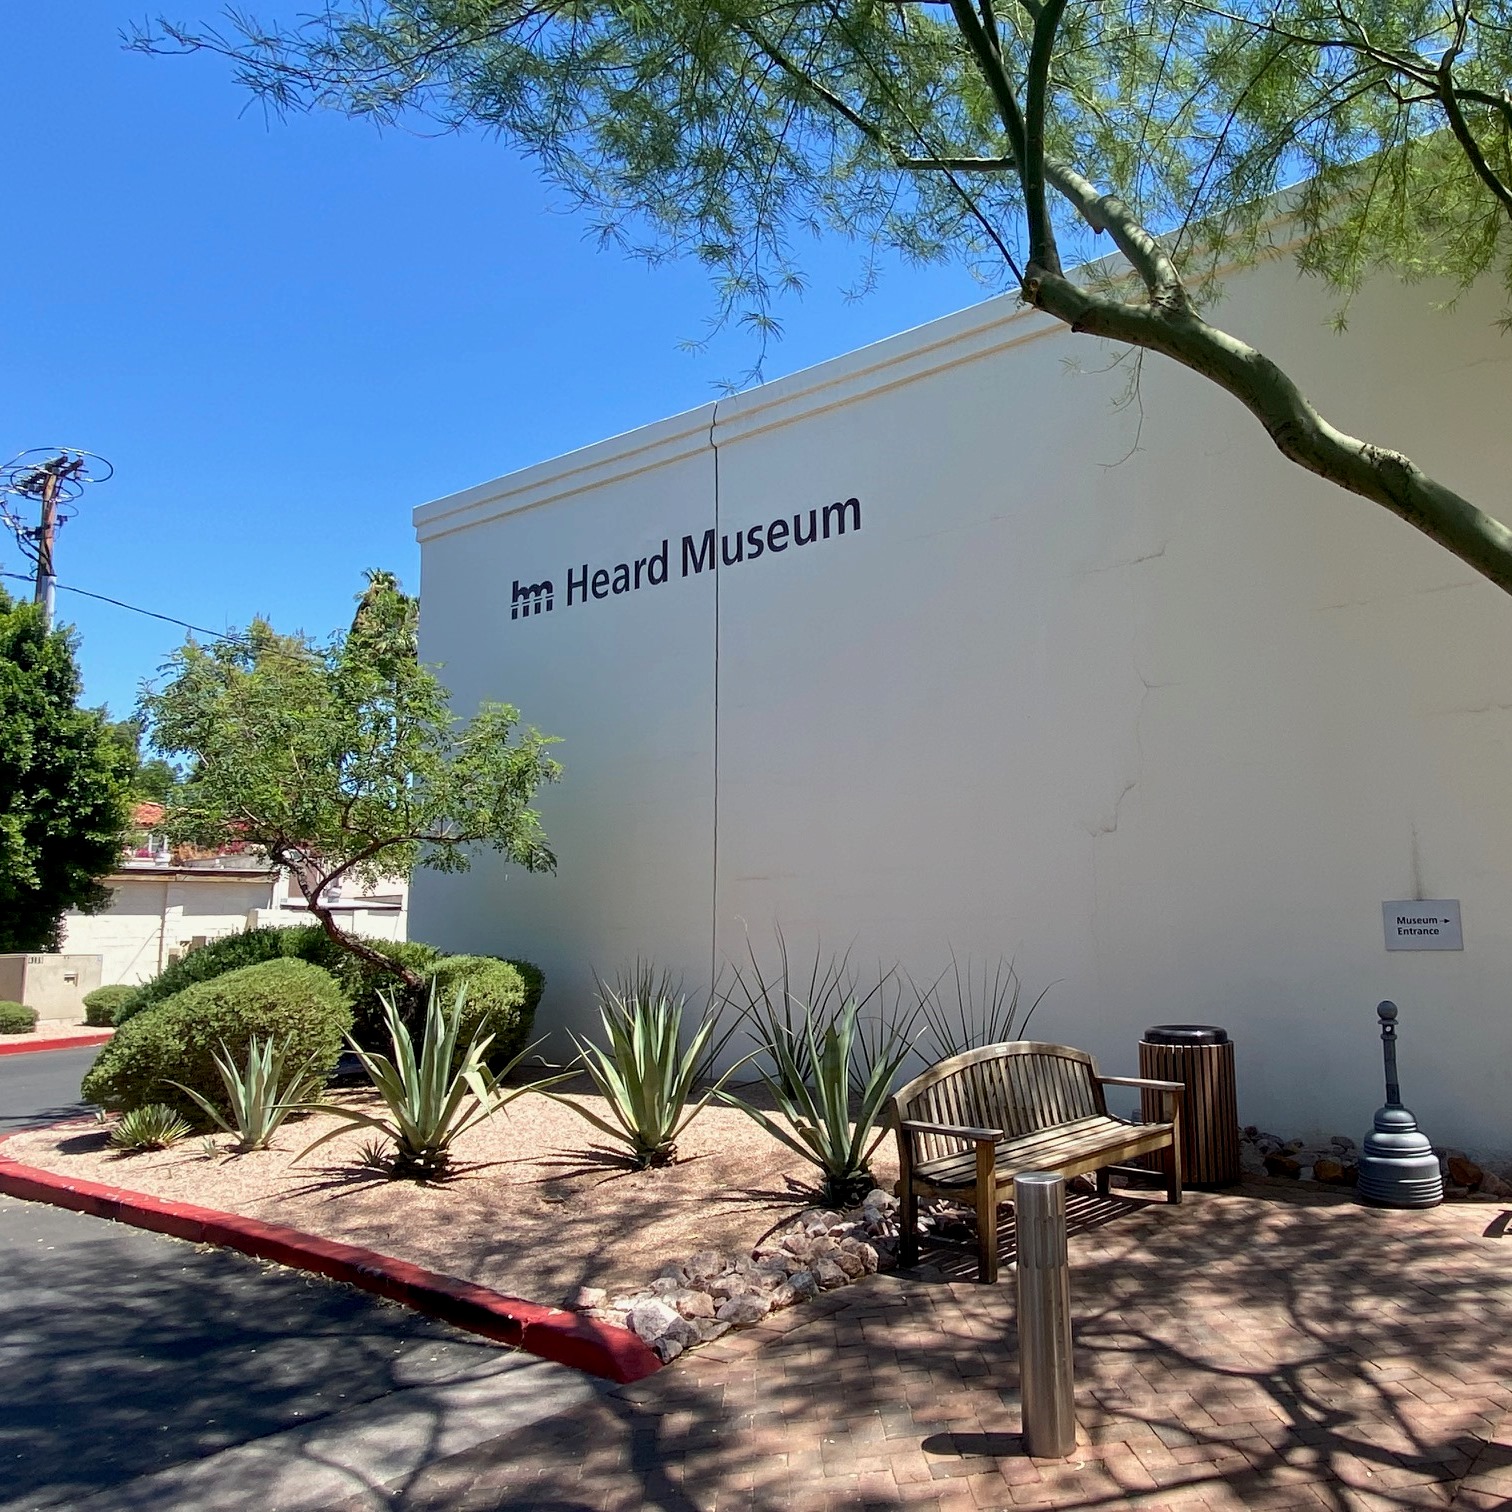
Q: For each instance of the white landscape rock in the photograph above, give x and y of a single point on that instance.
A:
(657, 1323)
(693, 1304)
(829, 1274)
(698, 1300)
(744, 1310)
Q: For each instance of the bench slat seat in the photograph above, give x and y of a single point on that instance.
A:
(968, 1126)
(1073, 1149)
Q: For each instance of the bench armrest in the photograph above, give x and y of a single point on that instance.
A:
(1142, 1081)
(951, 1131)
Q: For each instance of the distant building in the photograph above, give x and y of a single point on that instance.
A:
(169, 900)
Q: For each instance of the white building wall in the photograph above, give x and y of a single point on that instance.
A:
(157, 915)
(1114, 690)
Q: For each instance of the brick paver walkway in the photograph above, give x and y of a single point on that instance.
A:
(1247, 1351)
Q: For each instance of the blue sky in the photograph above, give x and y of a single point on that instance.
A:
(286, 334)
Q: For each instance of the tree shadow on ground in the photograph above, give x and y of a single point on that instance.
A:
(1275, 1350)
(125, 1353)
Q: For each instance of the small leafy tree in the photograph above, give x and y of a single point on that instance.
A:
(343, 760)
(152, 778)
(63, 785)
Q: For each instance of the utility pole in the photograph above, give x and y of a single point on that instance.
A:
(54, 484)
(53, 476)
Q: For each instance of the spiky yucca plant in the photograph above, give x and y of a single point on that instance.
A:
(429, 1105)
(262, 1095)
(811, 1081)
(643, 1071)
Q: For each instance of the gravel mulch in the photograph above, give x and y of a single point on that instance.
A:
(538, 1205)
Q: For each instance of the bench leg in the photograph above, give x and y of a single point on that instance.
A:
(1104, 1182)
(908, 1222)
(1173, 1178)
(986, 1214)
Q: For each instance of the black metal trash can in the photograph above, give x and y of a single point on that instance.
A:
(1201, 1058)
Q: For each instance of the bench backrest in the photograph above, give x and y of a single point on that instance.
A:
(1019, 1087)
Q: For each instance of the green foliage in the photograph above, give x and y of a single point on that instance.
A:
(15, 1018)
(365, 982)
(1011, 137)
(535, 984)
(100, 1006)
(430, 1100)
(248, 947)
(260, 1097)
(153, 1126)
(177, 1039)
(732, 133)
(790, 1004)
(495, 1000)
(643, 1072)
(978, 1011)
(150, 778)
(63, 785)
(343, 760)
(360, 979)
(812, 1087)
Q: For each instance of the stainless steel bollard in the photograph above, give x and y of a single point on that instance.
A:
(1044, 1315)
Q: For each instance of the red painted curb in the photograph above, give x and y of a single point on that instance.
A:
(596, 1348)
(70, 1042)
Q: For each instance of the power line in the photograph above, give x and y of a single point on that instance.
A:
(105, 598)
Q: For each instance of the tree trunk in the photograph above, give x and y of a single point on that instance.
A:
(1299, 432)
(312, 884)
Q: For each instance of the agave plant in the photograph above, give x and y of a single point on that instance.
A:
(828, 1123)
(793, 1005)
(153, 1126)
(985, 1010)
(644, 1072)
(262, 1095)
(428, 1104)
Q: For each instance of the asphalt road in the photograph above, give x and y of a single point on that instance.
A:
(142, 1372)
(42, 1087)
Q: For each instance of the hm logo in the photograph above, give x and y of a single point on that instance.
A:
(530, 598)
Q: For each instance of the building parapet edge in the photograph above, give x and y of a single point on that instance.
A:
(978, 331)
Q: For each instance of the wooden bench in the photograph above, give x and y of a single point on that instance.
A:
(1024, 1106)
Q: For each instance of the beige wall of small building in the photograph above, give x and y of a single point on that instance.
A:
(156, 914)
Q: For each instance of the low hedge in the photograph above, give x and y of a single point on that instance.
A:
(177, 1037)
(535, 985)
(499, 1001)
(363, 981)
(229, 953)
(16, 1018)
(101, 1005)
(360, 980)
(507, 999)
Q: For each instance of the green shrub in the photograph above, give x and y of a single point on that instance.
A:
(100, 1006)
(229, 953)
(535, 984)
(17, 1019)
(177, 1039)
(496, 1003)
(361, 981)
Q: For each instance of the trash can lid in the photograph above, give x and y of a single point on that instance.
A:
(1186, 1034)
